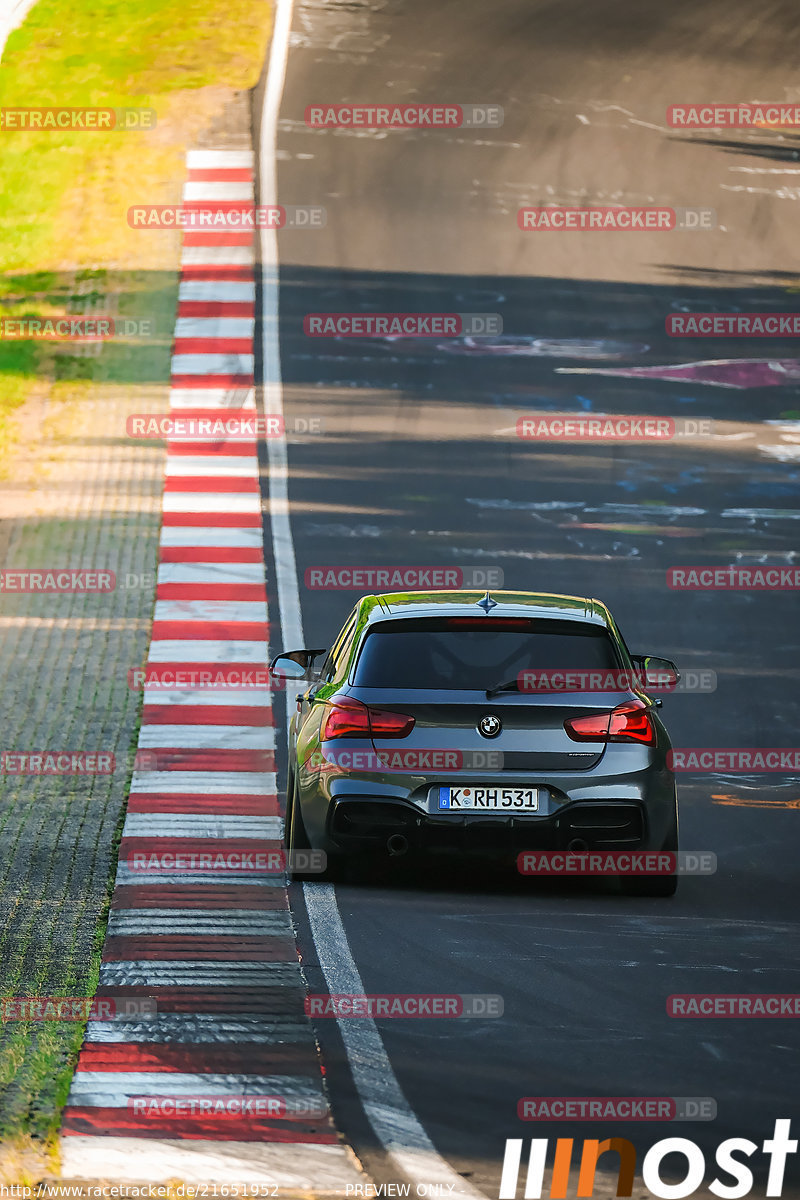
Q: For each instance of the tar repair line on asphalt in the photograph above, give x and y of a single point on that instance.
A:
(199, 925)
(395, 1124)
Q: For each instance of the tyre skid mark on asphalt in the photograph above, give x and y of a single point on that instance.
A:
(214, 948)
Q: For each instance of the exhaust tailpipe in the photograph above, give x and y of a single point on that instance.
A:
(577, 845)
(397, 845)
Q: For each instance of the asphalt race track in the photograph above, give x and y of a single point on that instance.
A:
(418, 463)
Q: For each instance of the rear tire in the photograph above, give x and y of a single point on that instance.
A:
(656, 886)
(297, 839)
(287, 815)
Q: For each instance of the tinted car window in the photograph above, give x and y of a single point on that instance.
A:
(340, 649)
(342, 656)
(471, 655)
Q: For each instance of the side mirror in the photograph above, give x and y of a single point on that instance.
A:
(660, 674)
(295, 664)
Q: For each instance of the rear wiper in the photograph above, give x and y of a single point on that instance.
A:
(510, 685)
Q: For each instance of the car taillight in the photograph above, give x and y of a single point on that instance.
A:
(629, 722)
(350, 718)
(389, 724)
(345, 718)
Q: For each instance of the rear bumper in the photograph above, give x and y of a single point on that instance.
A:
(358, 824)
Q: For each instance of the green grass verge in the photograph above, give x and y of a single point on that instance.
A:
(66, 248)
(65, 195)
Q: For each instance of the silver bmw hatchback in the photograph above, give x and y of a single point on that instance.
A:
(470, 724)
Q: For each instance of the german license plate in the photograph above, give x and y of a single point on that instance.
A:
(482, 799)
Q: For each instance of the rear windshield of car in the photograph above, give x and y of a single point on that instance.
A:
(467, 654)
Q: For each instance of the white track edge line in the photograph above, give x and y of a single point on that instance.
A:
(385, 1105)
